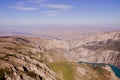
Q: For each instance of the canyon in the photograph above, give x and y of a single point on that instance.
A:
(34, 58)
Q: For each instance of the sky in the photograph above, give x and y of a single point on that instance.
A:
(35, 12)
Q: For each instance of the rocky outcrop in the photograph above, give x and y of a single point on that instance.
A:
(28, 58)
(21, 59)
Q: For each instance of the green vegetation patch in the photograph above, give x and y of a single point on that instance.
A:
(64, 70)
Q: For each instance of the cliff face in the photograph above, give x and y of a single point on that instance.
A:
(28, 58)
(102, 48)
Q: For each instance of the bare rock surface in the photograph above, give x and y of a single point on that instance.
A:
(21, 59)
(28, 58)
(102, 48)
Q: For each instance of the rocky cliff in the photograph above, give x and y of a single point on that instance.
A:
(102, 48)
(29, 58)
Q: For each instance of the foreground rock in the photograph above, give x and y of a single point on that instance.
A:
(28, 58)
(21, 59)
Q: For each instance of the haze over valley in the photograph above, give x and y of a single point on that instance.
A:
(59, 39)
(64, 32)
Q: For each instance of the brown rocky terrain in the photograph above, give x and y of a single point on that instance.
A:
(30, 58)
(21, 59)
(102, 48)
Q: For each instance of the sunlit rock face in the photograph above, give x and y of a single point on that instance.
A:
(102, 48)
(21, 59)
(30, 58)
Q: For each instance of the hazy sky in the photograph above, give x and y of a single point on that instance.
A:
(21, 12)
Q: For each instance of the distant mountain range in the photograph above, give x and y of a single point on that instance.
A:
(64, 32)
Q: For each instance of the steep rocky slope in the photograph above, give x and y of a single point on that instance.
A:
(29, 58)
(102, 48)
(21, 59)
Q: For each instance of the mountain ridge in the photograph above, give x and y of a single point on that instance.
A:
(40, 58)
